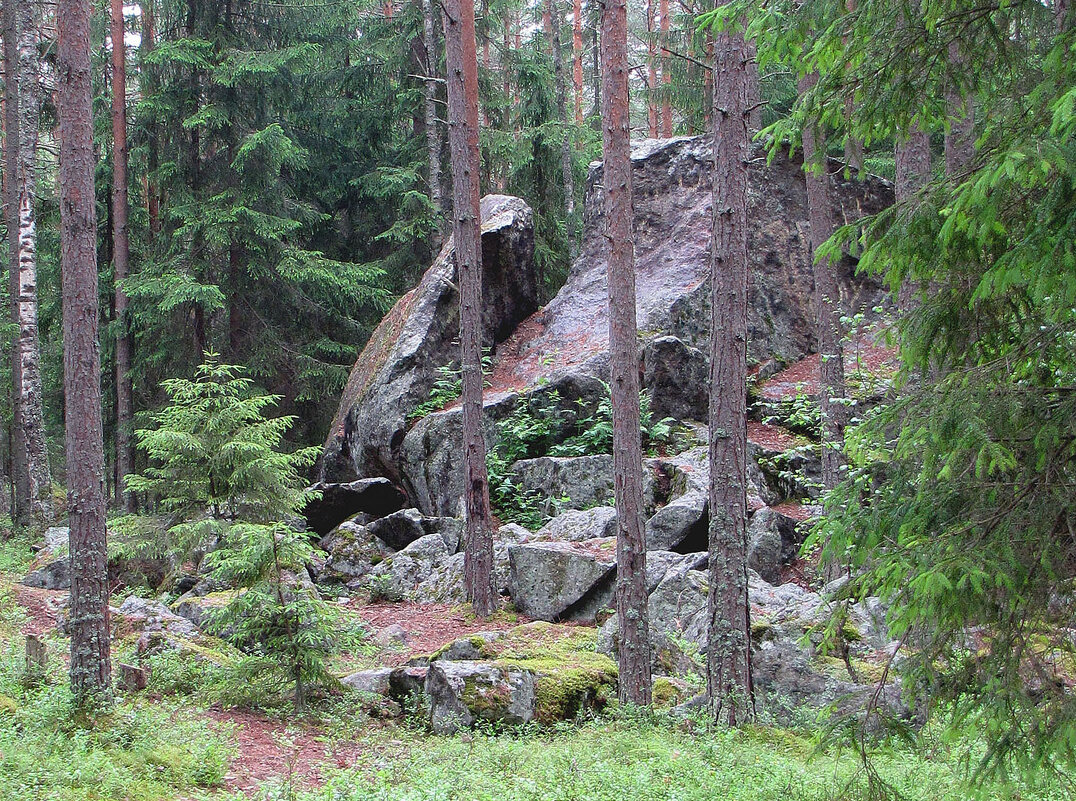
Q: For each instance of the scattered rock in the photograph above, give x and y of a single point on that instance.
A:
(374, 681)
(461, 693)
(764, 545)
(575, 482)
(398, 576)
(393, 636)
(399, 529)
(555, 580)
(575, 525)
(147, 615)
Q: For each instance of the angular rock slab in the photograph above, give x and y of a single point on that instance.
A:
(562, 580)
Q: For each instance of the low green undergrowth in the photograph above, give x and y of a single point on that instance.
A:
(140, 751)
(644, 759)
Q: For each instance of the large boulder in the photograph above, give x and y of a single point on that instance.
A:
(535, 672)
(562, 580)
(398, 367)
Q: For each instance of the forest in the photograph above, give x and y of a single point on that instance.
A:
(533, 399)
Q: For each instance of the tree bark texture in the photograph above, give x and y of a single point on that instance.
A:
(561, 88)
(666, 76)
(827, 304)
(33, 478)
(91, 674)
(651, 69)
(577, 57)
(728, 658)
(960, 137)
(121, 250)
(433, 132)
(631, 596)
(461, 59)
(912, 172)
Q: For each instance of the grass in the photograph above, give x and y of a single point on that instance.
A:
(642, 760)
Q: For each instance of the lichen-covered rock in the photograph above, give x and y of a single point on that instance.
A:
(398, 367)
(765, 545)
(374, 681)
(445, 582)
(398, 576)
(676, 375)
(461, 693)
(575, 525)
(562, 580)
(148, 616)
(352, 553)
(537, 671)
(574, 482)
(399, 529)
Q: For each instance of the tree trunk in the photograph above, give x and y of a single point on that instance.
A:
(149, 35)
(461, 59)
(577, 57)
(912, 172)
(853, 148)
(651, 69)
(728, 659)
(433, 132)
(121, 256)
(827, 303)
(631, 597)
(960, 138)
(666, 76)
(33, 479)
(91, 674)
(595, 115)
(560, 82)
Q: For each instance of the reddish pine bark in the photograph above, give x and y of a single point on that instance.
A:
(827, 303)
(631, 597)
(91, 674)
(728, 658)
(666, 76)
(651, 70)
(147, 45)
(461, 59)
(121, 256)
(30, 464)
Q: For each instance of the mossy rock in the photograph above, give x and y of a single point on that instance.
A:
(8, 706)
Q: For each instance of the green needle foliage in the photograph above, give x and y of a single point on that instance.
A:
(959, 509)
(221, 482)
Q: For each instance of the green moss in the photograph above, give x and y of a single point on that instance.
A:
(665, 692)
(486, 702)
(761, 630)
(8, 706)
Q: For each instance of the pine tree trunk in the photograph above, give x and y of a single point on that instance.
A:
(960, 138)
(433, 132)
(33, 479)
(853, 147)
(91, 675)
(596, 86)
(577, 57)
(666, 76)
(728, 658)
(827, 304)
(461, 59)
(631, 597)
(147, 78)
(121, 256)
(651, 69)
(560, 82)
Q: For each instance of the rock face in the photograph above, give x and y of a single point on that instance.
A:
(398, 367)
(564, 344)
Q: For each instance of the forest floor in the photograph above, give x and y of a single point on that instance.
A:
(184, 745)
